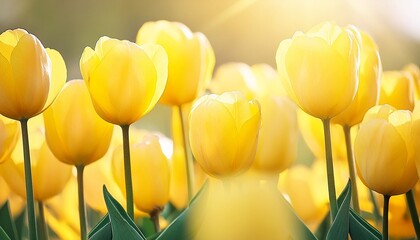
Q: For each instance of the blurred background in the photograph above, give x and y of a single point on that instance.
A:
(239, 30)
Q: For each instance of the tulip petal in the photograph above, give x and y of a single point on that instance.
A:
(8, 40)
(160, 59)
(31, 68)
(88, 63)
(58, 75)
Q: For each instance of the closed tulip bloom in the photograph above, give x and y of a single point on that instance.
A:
(125, 80)
(45, 166)
(224, 133)
(9, 134)
(277, 140)
(319, 69)
(74, 131)
(397, 90)
(150, 173)
(370, 72)
(414, 71)
(30, 77)
(190, 59)
(385, 151)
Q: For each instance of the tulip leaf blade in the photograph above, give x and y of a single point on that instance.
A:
(6, 222)
(340, 226)
(300, 230)
(122, 226)
(361, 229)
(3, 234)
(178, 228)
(102, 230)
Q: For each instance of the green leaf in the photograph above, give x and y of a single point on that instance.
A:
(102, 230)
(6, 222)
(123, 227)
(340, 227)
(361, 229)
(3, 235)
(178, 228)
(299, 230)
(322, 230)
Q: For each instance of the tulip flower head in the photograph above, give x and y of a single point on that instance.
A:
(319, 69)
(89, 136)
(125, 80)
(368, 90)
(30, 77)
(385, 150)
(397, 90)
(190, 59)
(224, 133)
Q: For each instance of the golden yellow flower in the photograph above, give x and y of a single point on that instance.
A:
(45, 166)
(150, 173)
(125, 80)
(224, 132)
(414, 71)
(74, 131)
(278, 136)
(397, 90)
(370, 72)
(190, 59)
(319, 69)
(385, 151)
(30, 77)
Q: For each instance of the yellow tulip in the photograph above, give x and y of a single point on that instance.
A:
(414, 71)
(278, 137)
(397, 90)
(224, 132)
(31, 75)
(74, 131)
(190, 59)
(319, 69)
(370, 72)
(9, 134)
(150, 173)
(385, 150)
(125, 80)
(253, 81)
(45, 166)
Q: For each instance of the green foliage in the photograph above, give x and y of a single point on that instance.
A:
(340, 226)
(6, 222)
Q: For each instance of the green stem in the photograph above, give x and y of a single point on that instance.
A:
(188, 160)
(413, 212)
(43, 230)
(350, 160)
(385, 218)
(330, 169)
(82, 208)
(30, 202)
(127, 170)
(154, 215)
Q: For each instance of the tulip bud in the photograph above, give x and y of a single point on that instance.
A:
(30, 77)
(385, 151)
(190, 59)
(89, 136)
(125, 80)
(370, 72)
(150, 173)
(224, 132)
(319, 69)
(397, 90)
